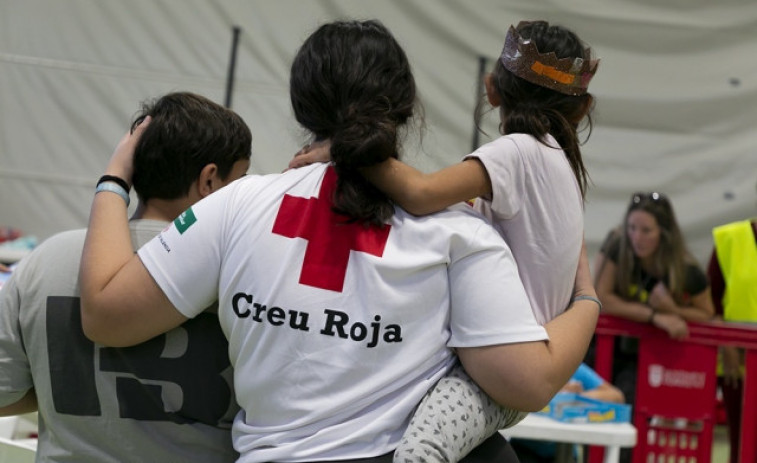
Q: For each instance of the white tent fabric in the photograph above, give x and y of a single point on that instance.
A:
(676, 91)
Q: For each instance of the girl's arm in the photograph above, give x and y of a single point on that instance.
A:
(121, 304)
(415, 191)
(420, 193)
(525, 376)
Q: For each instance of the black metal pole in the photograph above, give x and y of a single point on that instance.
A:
(479, 92)
(232, 65)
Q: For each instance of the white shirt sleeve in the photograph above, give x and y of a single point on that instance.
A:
(506, 170)
(488, 302)
(185, 258)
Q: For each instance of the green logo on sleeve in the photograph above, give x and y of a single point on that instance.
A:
(185, 220)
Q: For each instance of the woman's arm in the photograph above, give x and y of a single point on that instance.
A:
(420, 193)
(700, 308)
(613, 304)
(121, 304)
(525, 376)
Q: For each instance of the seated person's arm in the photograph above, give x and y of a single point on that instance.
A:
(605, 392)
(612, 303)
(699, 309)
(26, 404)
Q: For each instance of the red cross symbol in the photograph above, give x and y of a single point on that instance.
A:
(330, 236)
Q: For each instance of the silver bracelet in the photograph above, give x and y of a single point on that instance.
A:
(113, 187)
(588, 298)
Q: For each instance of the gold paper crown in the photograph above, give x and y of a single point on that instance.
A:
(570, 76)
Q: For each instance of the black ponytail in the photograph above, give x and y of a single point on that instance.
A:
(351, 82)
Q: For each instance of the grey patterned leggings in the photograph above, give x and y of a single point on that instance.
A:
(451, 420)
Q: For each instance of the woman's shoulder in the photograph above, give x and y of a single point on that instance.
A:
(695, 278)
(459, 223)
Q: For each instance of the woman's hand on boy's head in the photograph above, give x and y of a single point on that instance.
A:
(122, 161)
(318, 151)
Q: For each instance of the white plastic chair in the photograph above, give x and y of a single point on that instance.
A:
(12, 451)
(8, 426)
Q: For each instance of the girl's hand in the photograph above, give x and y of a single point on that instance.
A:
(318, 151)
(121, 163)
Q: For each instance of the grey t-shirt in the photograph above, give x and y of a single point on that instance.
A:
(169, 399)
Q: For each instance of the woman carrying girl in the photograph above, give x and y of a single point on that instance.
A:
(530, 183)
(315, 270)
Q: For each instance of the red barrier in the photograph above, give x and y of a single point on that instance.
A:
(675, 408)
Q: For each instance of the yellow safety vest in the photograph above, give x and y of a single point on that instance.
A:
(737, 256)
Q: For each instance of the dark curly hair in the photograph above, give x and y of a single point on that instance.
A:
(187, 132)
(538, 111)
(351, 82)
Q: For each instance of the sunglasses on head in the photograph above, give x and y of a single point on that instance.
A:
(652, 196)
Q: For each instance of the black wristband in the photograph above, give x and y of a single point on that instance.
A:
(651, 316)
(112, 178)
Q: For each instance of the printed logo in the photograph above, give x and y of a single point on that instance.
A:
(185, 220)
(331, 237)
(658, 376)
(656, 372)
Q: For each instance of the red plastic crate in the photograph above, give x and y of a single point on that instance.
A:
(682, 404)
(675, 402)
(673, 440)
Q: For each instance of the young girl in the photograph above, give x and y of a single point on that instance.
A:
(530, 183)
(271, 250)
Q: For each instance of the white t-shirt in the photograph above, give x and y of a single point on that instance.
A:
(537, 207)
(335, 331)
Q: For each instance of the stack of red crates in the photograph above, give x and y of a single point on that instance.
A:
(675, 410)
(676, 400)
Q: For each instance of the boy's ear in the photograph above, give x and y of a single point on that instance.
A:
(207, 181)
(491, 91)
